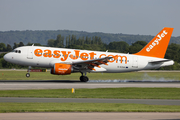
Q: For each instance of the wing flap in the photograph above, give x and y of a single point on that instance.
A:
(91, 64)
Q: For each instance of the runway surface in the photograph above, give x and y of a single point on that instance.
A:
(90, 116)
(90, 100)
(22, 85)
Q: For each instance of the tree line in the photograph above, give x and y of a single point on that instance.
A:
(41, 36)
(93, 43)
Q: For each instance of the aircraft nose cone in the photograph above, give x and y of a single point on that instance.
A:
(6, 57)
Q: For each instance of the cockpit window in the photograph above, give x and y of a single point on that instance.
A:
(17, 51)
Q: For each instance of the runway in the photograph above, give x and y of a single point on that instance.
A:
(90, 116)
(36, 84)
(89, 100)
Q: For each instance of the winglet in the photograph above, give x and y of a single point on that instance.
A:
(158, 45)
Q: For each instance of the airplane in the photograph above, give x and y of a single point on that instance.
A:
(63, 61)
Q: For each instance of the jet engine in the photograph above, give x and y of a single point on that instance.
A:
(61, 69)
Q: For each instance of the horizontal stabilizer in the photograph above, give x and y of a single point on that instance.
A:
(160, 61)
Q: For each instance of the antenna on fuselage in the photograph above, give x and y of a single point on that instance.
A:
(32, 44)
(106, 50)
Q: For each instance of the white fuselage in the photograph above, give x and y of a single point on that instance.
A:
(48, 56)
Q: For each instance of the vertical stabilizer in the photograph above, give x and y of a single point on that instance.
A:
(158, 45)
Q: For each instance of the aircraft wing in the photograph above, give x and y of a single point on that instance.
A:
(90, 64)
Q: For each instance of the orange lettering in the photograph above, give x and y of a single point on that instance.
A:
(38, 52)
(76, 55)
(47, 53)
(102, 55)
(116, 58)
(56, 54)
(92, 55)
(84, 56)
(65, 55)
(122, 58)
(113, 58)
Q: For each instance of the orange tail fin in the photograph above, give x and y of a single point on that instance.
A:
(158, 45)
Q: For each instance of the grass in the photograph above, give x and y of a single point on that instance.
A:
(85, 107)
(20, 75)
(113, 93)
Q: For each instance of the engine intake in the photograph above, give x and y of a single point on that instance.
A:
(61, 69)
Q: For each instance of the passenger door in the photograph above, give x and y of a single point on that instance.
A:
(30, 53)
(135, 62)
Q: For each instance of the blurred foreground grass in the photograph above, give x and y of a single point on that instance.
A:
(85, 107)
(113, 93)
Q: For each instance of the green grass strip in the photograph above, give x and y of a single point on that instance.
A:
(20, 75)
(84, 107)
(114, 93)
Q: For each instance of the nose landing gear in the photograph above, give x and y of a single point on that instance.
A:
(28, 74)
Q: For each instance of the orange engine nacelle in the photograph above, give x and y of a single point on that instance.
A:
(61, 69)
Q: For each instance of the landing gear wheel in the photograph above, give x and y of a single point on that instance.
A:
(27, 75)
(84, 78)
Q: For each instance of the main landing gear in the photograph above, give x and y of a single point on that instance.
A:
(84, 78)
